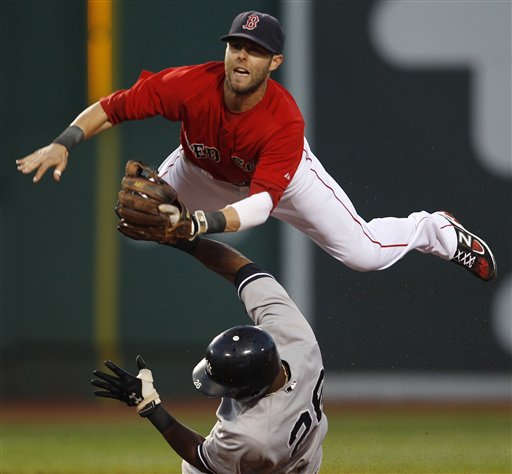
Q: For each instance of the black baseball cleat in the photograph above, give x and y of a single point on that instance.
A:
(472, 252)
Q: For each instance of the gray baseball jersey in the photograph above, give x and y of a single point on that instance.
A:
(283, 431)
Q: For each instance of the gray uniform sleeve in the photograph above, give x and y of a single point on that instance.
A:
(268, 304)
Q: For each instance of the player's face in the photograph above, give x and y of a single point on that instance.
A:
(248, 65)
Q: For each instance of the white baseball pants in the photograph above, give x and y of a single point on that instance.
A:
(317, 206)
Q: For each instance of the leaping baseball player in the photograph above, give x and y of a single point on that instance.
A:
(243, 157)
(270, 378)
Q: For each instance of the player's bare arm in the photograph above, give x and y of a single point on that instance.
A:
(183, 440)
(216, 256)
(90, 122)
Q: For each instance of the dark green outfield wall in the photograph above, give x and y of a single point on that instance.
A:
(398, 139)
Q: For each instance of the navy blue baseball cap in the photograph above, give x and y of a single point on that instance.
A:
(261, 28)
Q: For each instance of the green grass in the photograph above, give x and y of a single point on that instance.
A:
(85, 448)
(431, 441)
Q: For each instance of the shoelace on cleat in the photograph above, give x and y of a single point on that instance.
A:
(465, 258)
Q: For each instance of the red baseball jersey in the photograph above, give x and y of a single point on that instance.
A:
(260, 148)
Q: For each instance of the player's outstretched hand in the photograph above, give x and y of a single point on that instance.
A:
(133, 390)
(53, 155)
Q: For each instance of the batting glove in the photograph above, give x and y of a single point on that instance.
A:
(133, 390)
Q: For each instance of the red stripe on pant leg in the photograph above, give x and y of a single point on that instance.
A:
(351, 215)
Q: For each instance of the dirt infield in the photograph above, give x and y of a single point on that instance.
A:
(62, 411)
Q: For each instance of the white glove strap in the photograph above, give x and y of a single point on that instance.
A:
(201, 221)
(148, 391)
(152, 397)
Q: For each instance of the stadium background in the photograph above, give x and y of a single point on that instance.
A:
(401, 130)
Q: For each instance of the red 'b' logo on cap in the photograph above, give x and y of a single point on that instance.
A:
(252, 22)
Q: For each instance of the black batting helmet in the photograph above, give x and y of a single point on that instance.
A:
(240, 363)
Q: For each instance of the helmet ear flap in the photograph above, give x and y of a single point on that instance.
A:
(240, 363)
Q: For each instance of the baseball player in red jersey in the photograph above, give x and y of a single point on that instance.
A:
(270, 379)
(243, 157)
